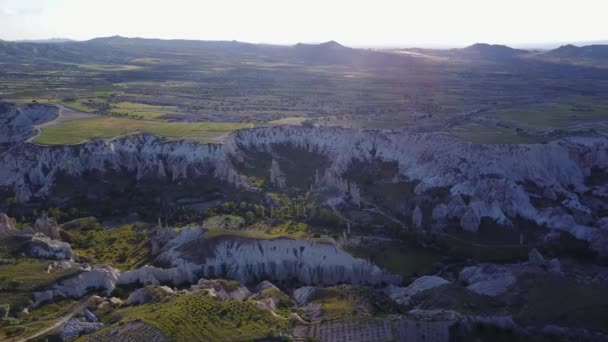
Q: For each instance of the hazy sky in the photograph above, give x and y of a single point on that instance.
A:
(377, 22)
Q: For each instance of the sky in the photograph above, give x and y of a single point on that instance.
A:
(350, 22)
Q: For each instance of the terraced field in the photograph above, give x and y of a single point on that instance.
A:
(198, 317)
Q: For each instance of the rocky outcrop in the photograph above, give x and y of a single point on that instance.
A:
(470, 221)
(402, 295)
(302, 294)
(7, 225)
(492, 177)
(47, 226)
(150, 293)
(41, 246)
(17, 122)
(250, 260)
(537, 259)
(488, 279)
(417, 218)
(150, 275)
(281, 260)
(223, 289)
(100, 278)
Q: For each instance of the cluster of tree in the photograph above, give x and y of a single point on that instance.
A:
(287, 210)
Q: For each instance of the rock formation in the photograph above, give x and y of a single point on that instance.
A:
(492, 177)
(7, 225)
(100, 278)
(402, 295)
(488, 279)
(40, 246)
(47, 226)
(148, 293)
(17, 122)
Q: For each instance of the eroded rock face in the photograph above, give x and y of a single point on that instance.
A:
(250, 260)
(302, 294)
(41, 246)
(282, 260)
(417, 218)
(492, 177)
(148, 293)
(7, 225)
(223, 289)
(99, 278)
(402, 295)
(47, 226)
(488, 279)
(17, 122)
(470, 221)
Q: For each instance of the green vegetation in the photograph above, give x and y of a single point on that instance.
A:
(140, 110)
(79, 130)
(125, 247)
(492, 135)
(565, 112)
(200, 317)
(347, 301)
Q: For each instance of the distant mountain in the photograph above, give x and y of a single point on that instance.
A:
(491, 51)
(46, 41)
(118, 49)
(587, 52)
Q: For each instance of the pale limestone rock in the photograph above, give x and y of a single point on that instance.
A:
(402, 295)
(223, 289)
(17, 122)
(489, 279)
(100, 278)
(440, 215)
(470, 220)
(146, 294)
(89, 316)
(41, 246)
(433, 160)
(602, 223)
(150, 275)
(434, 315)
(555, 267)
(535, 258)
(302, 294)
(47, 226)
(277, 177)
(417, 218)
(549, 194)
(248, 260)
(7, 225)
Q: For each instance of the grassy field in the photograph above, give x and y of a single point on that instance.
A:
(140, 110)
(198, 317)
(567, 112)
(80, 130)
(491, 135)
